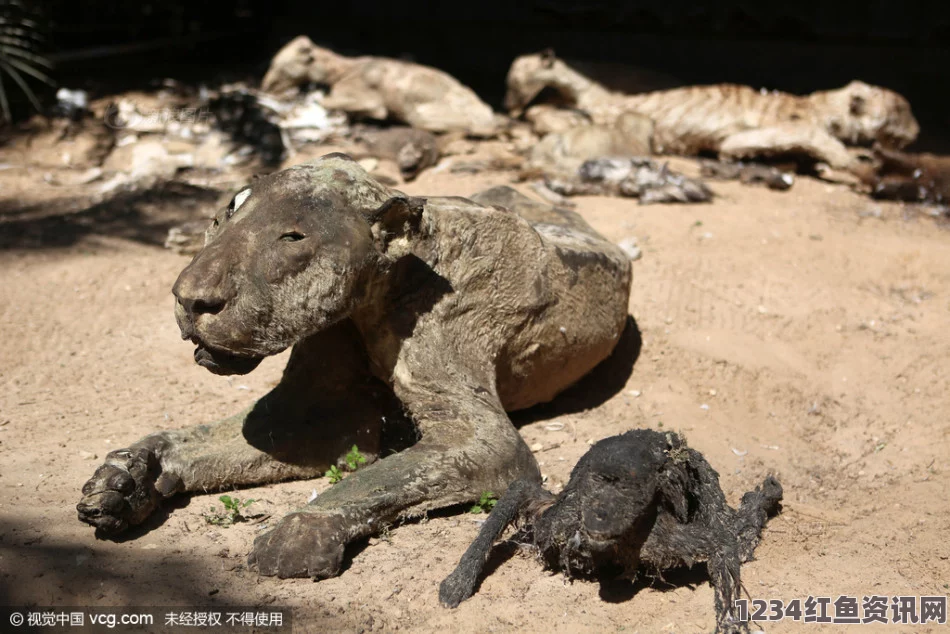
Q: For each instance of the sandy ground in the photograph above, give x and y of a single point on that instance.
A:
(800, 333)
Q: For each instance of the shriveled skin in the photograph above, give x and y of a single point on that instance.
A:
(449, 309)
(636, 177)
(382, 88)
(413, 150)
(639, 502)
(546, 118)
(748, 173)
(731, 120)
(562, 153)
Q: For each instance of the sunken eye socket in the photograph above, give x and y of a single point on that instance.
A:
(236, 202)
(292, 236)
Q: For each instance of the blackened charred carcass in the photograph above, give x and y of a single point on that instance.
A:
(642, 500)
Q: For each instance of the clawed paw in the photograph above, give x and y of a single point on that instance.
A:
(301, 545)
(125, 490)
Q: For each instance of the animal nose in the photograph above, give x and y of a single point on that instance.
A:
(600, 522)
(206, 306)
(199, 301)
(202, 291)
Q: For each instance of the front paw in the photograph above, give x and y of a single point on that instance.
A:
(125, 490)
(302, 545)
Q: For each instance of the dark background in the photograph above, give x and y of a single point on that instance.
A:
(795, 46)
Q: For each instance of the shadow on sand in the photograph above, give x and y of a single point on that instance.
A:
(143, 216)
(600, 384)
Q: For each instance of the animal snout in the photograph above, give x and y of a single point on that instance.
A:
(198, 301)
(203, 306)
(202, 292)
(600, 523)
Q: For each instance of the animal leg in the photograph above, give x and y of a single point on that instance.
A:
(453, 112)
(460, 584)
(673, 544)
(712, 535)
(896, 162)
(723, 568)
(787, 140)
(325, 402)
(468, 446)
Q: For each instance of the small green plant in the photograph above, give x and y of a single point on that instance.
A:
(485, 503)
(232, 513)
(354, 459)
(334, 474)
(386, 533)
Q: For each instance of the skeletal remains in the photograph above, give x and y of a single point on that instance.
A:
(639, 502)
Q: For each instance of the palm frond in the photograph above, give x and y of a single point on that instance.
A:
(26, 55)
(21, 53)
(4, 104)
(22, 30)
(12, 40)
(25, 87)
(29, 70)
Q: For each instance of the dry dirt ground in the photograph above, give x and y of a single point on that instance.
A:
(801, 333)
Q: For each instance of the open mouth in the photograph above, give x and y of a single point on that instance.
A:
(223, 363)
(519, 102)
(598, 542)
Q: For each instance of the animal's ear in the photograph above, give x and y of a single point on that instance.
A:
(857, 105)
(672, 487)
(396, 223)
(548, 57)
